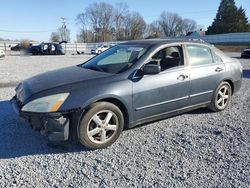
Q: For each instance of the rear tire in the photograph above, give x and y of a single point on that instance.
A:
(221, 97)
(100, 126)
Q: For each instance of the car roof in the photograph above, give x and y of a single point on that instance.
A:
(151, 42)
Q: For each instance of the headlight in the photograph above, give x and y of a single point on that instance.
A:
(46, 104)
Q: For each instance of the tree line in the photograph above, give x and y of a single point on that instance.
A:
(102, 21)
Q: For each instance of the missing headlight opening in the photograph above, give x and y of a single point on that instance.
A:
(55, 128)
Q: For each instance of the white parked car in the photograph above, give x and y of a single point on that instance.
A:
(2, 53)
(102, 48)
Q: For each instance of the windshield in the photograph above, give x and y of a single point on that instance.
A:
(117, 59)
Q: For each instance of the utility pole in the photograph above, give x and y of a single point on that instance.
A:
(64, 26)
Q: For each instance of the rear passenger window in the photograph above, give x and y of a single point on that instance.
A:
(199, 55)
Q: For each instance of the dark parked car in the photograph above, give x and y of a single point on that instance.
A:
(127, 85)
(47, 49)
(20, 47)
(17, 47)
(246, 53)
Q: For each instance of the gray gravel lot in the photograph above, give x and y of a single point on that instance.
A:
(17, 68)
(196, 149)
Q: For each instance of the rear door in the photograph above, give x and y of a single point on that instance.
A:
(206, 72)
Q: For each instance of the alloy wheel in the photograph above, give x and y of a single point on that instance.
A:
(102, 127)
(223, 97)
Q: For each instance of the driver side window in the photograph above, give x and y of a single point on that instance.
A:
(169, 57)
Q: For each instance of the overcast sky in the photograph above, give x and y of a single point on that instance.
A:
(36, 19)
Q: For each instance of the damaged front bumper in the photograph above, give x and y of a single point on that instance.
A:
(53, 125)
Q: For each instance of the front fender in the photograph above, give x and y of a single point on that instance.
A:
(81, 98)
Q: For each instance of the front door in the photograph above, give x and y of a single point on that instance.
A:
(164, 92)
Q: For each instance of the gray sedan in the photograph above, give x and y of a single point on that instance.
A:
(129, 84)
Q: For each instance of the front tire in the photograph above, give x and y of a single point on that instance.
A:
(221, 97)
(100, 126)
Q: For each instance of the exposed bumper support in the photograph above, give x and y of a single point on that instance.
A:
(56, 129)
(53, 125)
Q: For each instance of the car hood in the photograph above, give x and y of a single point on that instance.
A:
(61, 77)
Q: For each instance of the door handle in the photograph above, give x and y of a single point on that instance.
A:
(218, 69)
(182, 77)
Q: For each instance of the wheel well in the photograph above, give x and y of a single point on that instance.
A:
(231, 84)
(75, 117)
(121, 106)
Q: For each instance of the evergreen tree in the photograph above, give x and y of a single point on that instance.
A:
(229, 19)
(243, 24)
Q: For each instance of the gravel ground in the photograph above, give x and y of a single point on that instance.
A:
(196, 149)
(16, 68)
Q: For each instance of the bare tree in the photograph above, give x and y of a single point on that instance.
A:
(120, 13)
(153, 30)
(189, 26)
(64, 34)
(135, 26)
(171, 24)
(82, 20)
(86, 36)
(108, 23)
(54, 37)
(100, 17)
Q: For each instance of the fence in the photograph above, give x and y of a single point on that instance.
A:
(230, 38)
(68, 47)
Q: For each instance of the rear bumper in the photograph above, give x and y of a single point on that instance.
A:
(53, 125)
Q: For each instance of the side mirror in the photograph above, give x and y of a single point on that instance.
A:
(149, 69)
